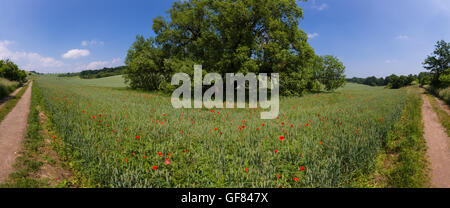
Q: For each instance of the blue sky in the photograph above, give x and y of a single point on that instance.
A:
(371, 37)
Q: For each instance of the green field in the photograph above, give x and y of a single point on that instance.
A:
(122, 138)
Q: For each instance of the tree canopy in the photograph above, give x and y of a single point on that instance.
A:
(230, 36)
(439, 62)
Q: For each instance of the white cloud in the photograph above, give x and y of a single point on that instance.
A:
(322, 7)
(27, 60)
(313, 35)
(402, 37)
(92, 43)
(101, 64)
(75, 53)
(319, 7)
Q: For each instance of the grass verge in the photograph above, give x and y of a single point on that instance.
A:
(38, 165)
(9, 105)
(444, 118)
(402, 162)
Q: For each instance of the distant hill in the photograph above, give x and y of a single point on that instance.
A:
(99, 73)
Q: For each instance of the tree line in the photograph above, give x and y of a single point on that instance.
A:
(98, 73)
(393, 81)
(248, 36)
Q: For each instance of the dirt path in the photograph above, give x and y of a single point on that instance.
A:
(438, 150)
(12, 130)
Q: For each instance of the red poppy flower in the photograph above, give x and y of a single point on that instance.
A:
(307, 124)
(137, 137)
(159, 153)
(281, 138)
(134, 154)
(295, 179)
(167, 161)
(215, 129)
(276, 151)
(155, 167)
(302, 168)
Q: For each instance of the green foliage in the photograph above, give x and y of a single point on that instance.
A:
(100, 73)
(11, 71)
(442, 93)
(444, 78)
(228, 37)
(396, 82)
(371, 81)
(425, 78)
(95, 74)
(439, 62)
(393, 81)
(332, 75)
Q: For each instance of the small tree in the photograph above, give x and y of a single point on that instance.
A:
(332, 73)
(439, 62)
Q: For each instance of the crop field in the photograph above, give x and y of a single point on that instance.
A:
(122, 138)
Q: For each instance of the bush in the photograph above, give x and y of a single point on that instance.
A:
(442, 93)
(11, 71)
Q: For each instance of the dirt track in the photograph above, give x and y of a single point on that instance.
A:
(438, 149)
(12, 131)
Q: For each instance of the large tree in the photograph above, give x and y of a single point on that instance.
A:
(227, 36)
(439, 61)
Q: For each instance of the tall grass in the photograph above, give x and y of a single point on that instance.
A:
(7, 87)
(123, 138)
(442, 93)
(407, 146)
